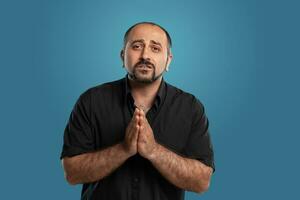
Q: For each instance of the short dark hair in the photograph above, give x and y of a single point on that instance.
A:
(151, 23)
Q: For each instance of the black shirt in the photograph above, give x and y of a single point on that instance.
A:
(99, 119)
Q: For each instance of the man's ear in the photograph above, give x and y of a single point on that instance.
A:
(170, 56)
(122, 56)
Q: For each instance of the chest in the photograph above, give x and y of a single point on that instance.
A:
(170, 125)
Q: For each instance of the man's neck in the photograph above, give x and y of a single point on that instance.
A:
(144, 93)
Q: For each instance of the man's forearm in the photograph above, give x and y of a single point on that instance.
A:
(90, 167)
(185, 173)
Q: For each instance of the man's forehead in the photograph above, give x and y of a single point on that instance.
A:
(147, 32)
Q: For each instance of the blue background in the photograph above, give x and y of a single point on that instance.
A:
(240, 58)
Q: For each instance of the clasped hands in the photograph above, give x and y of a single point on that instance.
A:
(139, 136)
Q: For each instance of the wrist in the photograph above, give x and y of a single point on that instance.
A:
(125, 150)
(155, 152)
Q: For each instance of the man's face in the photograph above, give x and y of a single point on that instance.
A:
(145, 55)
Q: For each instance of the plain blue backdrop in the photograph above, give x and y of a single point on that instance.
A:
(240, 58)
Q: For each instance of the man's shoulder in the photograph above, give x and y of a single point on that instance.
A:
(177, 94)
(103, 89)
(106, 87)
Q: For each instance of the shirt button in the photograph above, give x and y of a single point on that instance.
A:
(136, 180)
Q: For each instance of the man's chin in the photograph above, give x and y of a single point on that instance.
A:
(143, 79)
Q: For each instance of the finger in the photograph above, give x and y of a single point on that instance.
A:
(142, 112)
(136, 111)
(135, 122)
(131, 125)
(134, 118)
(143, 119)
(144, 123)
(136, 133)
(134, 114)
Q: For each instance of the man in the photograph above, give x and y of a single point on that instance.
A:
(139, 137)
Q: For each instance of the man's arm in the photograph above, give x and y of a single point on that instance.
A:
(90, 167)
(185, 173)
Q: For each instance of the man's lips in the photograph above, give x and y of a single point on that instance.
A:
(144, 66)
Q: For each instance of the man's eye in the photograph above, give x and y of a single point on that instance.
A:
(156, 49)
(136, 46)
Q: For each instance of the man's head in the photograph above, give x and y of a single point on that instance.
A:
(147, 52)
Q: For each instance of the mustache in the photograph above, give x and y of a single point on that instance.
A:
(144, 62)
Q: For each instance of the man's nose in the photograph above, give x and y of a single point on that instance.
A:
(145, 54)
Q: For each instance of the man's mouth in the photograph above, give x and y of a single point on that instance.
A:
(144, 66)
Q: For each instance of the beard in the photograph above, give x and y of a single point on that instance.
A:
(144, 72)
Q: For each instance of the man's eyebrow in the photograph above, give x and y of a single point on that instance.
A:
(154, 42)
(140, 40)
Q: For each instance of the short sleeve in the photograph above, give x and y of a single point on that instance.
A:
(199, 144)
(78, 132)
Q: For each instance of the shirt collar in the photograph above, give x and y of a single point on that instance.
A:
(159, 96)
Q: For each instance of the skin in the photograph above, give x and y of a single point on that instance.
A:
(185, 173)
(146, 42)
